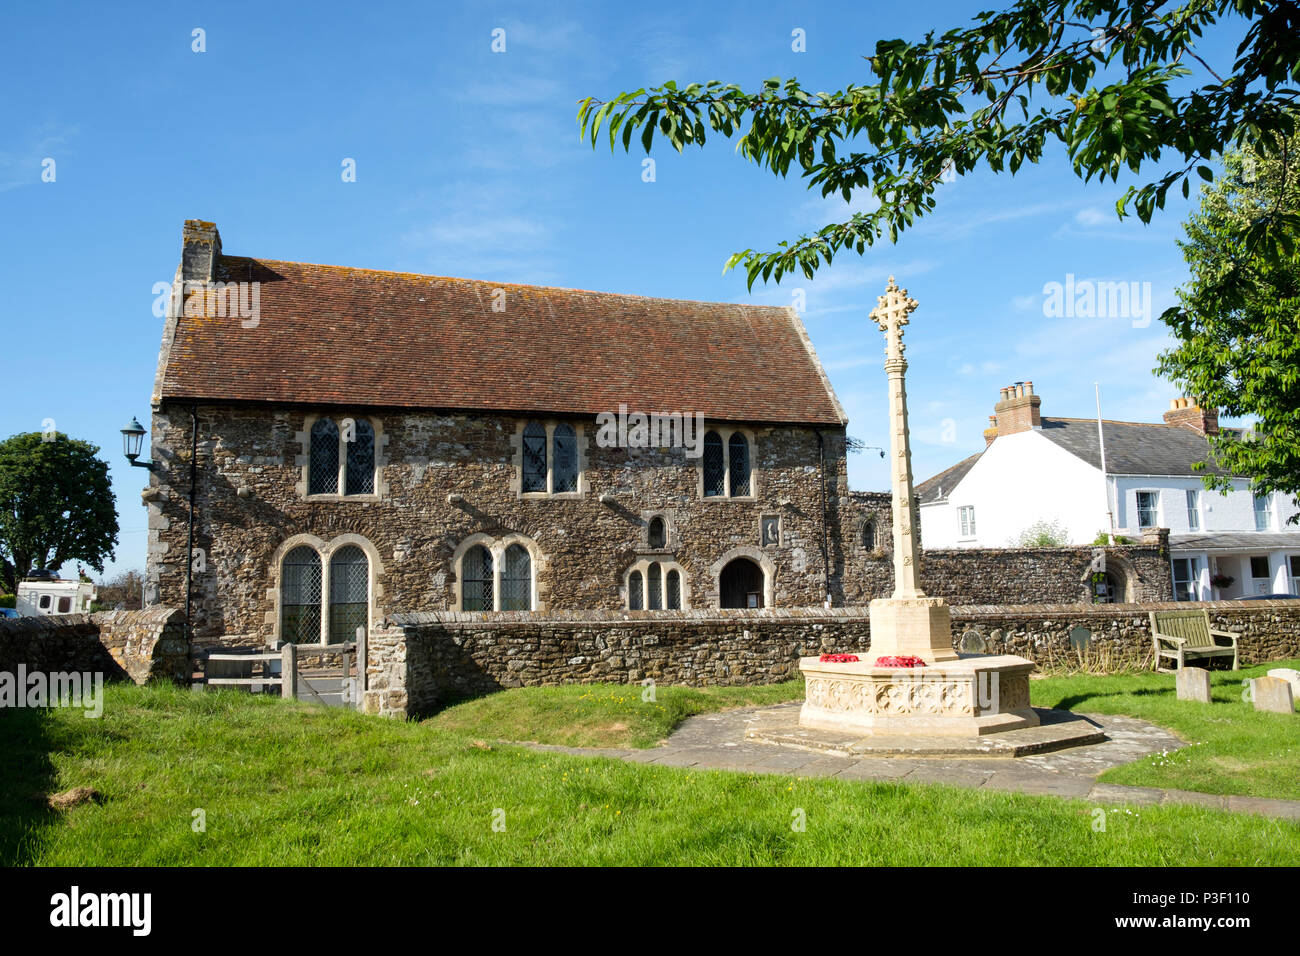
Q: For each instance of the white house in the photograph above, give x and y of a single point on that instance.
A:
(1051, 469)
(37, 598)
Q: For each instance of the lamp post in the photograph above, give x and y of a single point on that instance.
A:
(132, 439)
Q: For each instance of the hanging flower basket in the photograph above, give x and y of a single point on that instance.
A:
(838, 658)
(899, 662)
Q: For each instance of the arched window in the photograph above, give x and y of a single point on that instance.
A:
(869, 534)
(534, 457)
(323, 473)
(674, 589)
(634, 601)
(565, 464)
(517, 580)
(359, 479)
(476, 580)
(715, 468)
(656, 536)
(300, 595)
(349, 593)
(654, 587)
(738, 455)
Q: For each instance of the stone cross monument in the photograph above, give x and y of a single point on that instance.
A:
(909, 623)
(947, 695)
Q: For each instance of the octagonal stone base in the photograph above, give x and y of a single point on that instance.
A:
(973, 695)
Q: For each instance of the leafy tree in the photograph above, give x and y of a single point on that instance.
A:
(1118, 83)
(1238, 328)
(1043, 534)
(126, 588)
(56, 505)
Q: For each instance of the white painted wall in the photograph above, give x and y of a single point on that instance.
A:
(1019, 480)
(1232, 512)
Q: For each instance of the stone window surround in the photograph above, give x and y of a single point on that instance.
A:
(517, 461)
(725, 434)
(497, 548)
(326, 550)
(671, 540)
(304, 460)
(643, 565)
(860, 527)
(760, 557)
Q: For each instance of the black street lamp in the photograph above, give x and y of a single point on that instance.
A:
(132, 439)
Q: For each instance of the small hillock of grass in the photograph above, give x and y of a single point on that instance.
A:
(600, 715)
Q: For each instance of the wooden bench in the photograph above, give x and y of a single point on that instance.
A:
(1182, 636)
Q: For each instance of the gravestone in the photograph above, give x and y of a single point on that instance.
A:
(1291, 676)
(972, 642)
(1273, 695)
(1193, 683)
(1080, 638)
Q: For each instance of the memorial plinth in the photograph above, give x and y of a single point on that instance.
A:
(954, 695)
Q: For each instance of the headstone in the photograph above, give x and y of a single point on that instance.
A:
(1080, 638)
(1273, 695)
(1193, 683)
(1291, 676)
(972, 642)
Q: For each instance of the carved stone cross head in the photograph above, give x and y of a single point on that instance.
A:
(892, 311)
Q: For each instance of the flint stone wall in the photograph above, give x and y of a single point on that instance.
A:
(136, 645)
(420, 662)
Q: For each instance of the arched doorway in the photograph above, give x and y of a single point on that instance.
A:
(741, 584)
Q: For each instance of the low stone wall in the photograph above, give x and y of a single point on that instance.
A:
(419, 662)
(1044, 575)
(135, 645)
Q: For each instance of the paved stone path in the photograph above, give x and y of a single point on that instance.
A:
(718, 742)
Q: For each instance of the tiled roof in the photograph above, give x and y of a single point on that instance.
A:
(333, 335)
(1132, 448)
(937, 488)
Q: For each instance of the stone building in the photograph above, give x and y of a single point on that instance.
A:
(332, 446)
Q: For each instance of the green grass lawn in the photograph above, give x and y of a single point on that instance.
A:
(600, 715)
(285, 783)
(1234, 748)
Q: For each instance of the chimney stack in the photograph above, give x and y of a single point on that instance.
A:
(200, 251)
(991, 432)
(1189, 413)
(1016, 411)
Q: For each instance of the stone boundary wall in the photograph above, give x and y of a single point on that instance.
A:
(135, 645)
(419, 662)
(1044, 575)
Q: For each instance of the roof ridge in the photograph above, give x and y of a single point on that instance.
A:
(495, 284)
(1112, 421)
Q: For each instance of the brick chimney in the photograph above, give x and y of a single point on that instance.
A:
(1016, 410)
(1187, 412)
(200, 251)
(991, 432)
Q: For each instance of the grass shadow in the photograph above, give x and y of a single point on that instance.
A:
(26, 742)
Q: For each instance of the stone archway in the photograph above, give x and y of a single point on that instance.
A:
(741, 584)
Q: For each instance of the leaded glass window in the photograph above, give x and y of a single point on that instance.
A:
(323, 472)
(674, 589)
(715, 470)
(360, 476)
(738, 453)
(476, 580)
(654, 587)
(534, 449)
(517, 580)
(565, 465)
(349, 593)
(300, 593)
(634, 591)
(656, 535)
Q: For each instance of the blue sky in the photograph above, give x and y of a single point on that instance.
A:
(469, 164)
